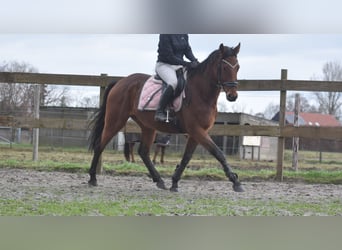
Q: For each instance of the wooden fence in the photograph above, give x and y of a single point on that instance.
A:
(283, 85)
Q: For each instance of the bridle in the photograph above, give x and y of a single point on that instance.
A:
(221, 84)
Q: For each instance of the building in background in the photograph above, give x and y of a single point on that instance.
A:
(245, 147)
(313, 119)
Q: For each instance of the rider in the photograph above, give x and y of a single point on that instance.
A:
(171, 49)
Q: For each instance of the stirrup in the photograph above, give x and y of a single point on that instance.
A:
(161, 117)
(167, 116)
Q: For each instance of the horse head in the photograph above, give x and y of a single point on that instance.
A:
(228, 68)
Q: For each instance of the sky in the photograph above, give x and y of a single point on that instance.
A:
(262, 56)
(87, 37)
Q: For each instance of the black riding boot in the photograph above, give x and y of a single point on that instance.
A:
(165, 99)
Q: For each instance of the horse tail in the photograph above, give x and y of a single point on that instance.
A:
(126, 151)
(97, 122)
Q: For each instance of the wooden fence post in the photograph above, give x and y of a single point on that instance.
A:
(281, 139)
(295, 140)
(36, 117)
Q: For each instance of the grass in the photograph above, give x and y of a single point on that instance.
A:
(208, 173)
(131, 206)
(201, 166)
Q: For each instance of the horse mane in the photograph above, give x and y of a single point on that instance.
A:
(209, 61)
(203, 65)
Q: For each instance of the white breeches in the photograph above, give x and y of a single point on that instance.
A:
(168, 73)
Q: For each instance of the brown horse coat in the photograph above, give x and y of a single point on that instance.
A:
(196, 117)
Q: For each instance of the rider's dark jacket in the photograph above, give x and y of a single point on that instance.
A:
(173, 47)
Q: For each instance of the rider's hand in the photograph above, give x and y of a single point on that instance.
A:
(193, 64)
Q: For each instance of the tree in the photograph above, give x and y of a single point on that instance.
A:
(14, 97)
(90, 102)
(330, 102)
(304, 105)
(271, 110)
(17, 98)
(53, 95)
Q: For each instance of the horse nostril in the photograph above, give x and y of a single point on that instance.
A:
(231, 98)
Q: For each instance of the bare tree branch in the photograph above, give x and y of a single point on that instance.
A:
(330, 102)
(18, 98)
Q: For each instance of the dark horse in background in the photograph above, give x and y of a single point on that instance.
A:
(130, 140)
(196, 117)
(161, 142)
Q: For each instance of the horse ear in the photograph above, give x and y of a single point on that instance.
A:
(237, 49)
(222, 48)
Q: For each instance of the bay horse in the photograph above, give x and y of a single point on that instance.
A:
(195, 118)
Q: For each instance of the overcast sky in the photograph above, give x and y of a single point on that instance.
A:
(103, 36)
(261, 56)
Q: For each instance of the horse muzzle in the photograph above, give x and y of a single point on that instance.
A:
(232, 98)
(231, 93)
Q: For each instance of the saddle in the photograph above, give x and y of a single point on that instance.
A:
(153, 88)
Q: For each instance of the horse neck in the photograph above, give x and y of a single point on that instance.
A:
(204, 87)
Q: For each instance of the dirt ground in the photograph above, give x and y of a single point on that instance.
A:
(60, 186)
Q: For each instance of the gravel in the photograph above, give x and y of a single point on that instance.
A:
(60, 186)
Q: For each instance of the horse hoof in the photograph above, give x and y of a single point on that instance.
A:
(92, 183)
(161, 185)
(174, 189)
(238, 188)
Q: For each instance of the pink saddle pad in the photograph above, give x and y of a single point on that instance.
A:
(151, 93)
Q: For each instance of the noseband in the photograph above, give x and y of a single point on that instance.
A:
(221, 84)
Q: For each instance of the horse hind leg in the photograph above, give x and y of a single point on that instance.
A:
(111, 128)
(94, 166)
(147, 137)
(189, 150)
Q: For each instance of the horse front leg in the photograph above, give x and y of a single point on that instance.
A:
(208, 143)
(189, 150)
